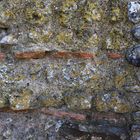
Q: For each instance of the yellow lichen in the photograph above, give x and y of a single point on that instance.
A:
(3, 102)
(112, 102)
(46, 37)
(120, 80)
(35, 17)
(92, 12)
(64, 37)
(64, 19)
(19, 77)
(115, 14)
(69, 5)
(21, 101)
(115, 40)
(92, 41)
(9, 14)
(39, 4)
(51, 102)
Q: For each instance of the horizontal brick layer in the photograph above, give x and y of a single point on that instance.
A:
(114, 55)
(112, 118)
(62, 54)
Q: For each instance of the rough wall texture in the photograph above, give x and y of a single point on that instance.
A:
(63, 74)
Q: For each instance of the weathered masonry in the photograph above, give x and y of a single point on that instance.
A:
(69, 69)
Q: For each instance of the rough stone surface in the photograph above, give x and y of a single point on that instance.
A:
(75, 101)
(69, 55)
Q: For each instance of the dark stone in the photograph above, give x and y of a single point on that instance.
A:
(135, 128)
(136, 32)
(133, 55)
(109, 118)
(134, 11)
(119, 132)
(71, 130)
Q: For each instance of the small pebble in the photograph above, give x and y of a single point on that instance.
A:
(133, 55)
(134, 11)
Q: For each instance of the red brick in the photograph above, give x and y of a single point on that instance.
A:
(73, 55)
(30, 55)
(114, 55)
(84, 55)
(63, 114)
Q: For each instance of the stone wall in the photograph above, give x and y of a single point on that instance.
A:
(69, 69)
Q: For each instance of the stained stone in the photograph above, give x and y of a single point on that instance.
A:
(133, 55)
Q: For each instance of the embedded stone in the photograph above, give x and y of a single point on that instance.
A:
(136, 32)
(49, 100)
(133, 55)
(77, 100)
(135, 131)
(135, 128)
(134, 11)
(135, 136)
(136, 116)
(9, 39)
(112, 101)
(134, 88)
(21, 100)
